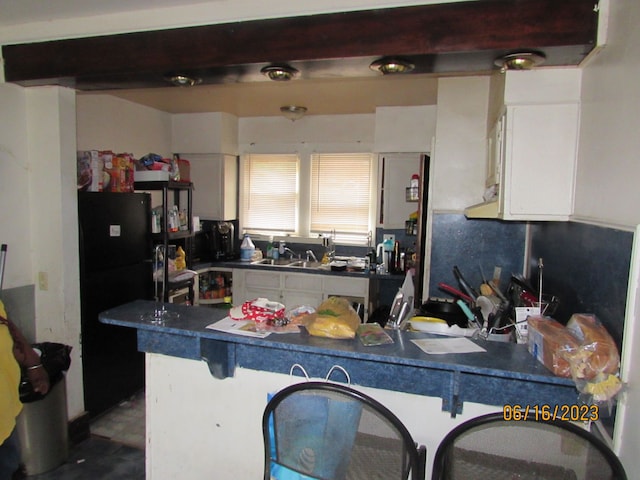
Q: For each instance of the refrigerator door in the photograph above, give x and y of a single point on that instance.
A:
(114, 229)
(115, 268)
(113, 368)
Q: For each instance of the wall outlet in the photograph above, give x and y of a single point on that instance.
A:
(43, 281)
(389, 236)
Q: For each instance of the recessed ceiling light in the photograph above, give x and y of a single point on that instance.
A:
(293, 112)
(392, 65)
(180, 80)
(520, 61)
(279, 73)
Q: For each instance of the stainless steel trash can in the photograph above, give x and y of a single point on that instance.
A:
(43, 431)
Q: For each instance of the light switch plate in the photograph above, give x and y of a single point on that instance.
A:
(389, 236)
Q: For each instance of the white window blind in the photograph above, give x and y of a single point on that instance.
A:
(270, 193)
(341, 194)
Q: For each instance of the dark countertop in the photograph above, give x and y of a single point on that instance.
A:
(505, 374)
(282, 268)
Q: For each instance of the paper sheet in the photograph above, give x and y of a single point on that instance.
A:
(439, 346)
(238, 327)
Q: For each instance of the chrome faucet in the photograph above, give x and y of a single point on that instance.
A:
(291, 253)
(311, 255)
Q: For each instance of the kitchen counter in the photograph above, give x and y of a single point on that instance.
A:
(284, 268)
(506, 374)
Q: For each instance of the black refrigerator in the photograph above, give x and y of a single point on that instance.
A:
(115, 268)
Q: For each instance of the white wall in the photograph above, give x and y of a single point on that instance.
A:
(52, 192)
(607, 182)
(608, 168)
(345, 133)
(15, 214)
(105, 122)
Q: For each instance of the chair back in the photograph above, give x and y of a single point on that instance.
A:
(490, 447)
(329, 431)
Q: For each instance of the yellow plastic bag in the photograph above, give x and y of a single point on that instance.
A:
(334, 318)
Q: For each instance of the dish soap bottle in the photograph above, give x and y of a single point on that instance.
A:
(247, 248)
(181, 259)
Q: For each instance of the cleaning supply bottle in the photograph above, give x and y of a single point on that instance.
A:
(270, 247)
(181, 259)
(247, 248)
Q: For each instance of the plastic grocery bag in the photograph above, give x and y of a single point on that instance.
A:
(313, 438)
(334, 318)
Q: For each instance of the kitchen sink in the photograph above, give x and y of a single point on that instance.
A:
(285, 262)
(305, 264)
(282, 262)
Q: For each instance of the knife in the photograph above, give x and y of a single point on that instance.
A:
(464, 285)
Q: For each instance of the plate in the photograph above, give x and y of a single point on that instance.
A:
(440, 327)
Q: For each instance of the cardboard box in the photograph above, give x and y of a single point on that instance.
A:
(184, 167)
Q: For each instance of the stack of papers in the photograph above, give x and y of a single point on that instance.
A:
(238, 327)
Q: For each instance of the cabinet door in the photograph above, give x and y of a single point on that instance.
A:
(540, 158)
(495, 151)
(395, 178)
(301, 289)
(215, 178)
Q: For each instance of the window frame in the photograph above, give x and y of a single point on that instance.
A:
(303, 231)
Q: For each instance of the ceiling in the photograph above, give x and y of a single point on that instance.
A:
(320, 96)
(334, 75)
(262, 99)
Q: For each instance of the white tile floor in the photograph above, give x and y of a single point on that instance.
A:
(124, 423)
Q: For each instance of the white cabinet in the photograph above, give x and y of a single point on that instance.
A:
(396, 170)
(531, 163)
(215, 178)
(532, 147)
(291, 289)
(294, 289)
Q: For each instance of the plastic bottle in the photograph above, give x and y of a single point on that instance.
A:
(270, 247)
(275, 252)
(247, 248)
(174, 221)
(181, 259)
(155, 222)
(415, 186)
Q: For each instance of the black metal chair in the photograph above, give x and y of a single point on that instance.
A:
(328, 431)
(490, 447)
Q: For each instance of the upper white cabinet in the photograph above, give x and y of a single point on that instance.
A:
(405, 129)
(395, 174)
(531, 152)
(215, 185)
(210, 142)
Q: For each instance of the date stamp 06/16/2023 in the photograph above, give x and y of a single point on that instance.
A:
(563, 412)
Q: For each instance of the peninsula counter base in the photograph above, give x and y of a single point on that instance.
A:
(206, 390)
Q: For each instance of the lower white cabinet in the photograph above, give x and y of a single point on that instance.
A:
(294, 289)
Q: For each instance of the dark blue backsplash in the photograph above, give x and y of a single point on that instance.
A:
(471, 245)
(587, 267)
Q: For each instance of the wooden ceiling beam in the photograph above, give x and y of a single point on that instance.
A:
(567, 27)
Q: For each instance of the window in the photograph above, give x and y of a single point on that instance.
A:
(309, 194)
(341, 194)
(269, 195)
